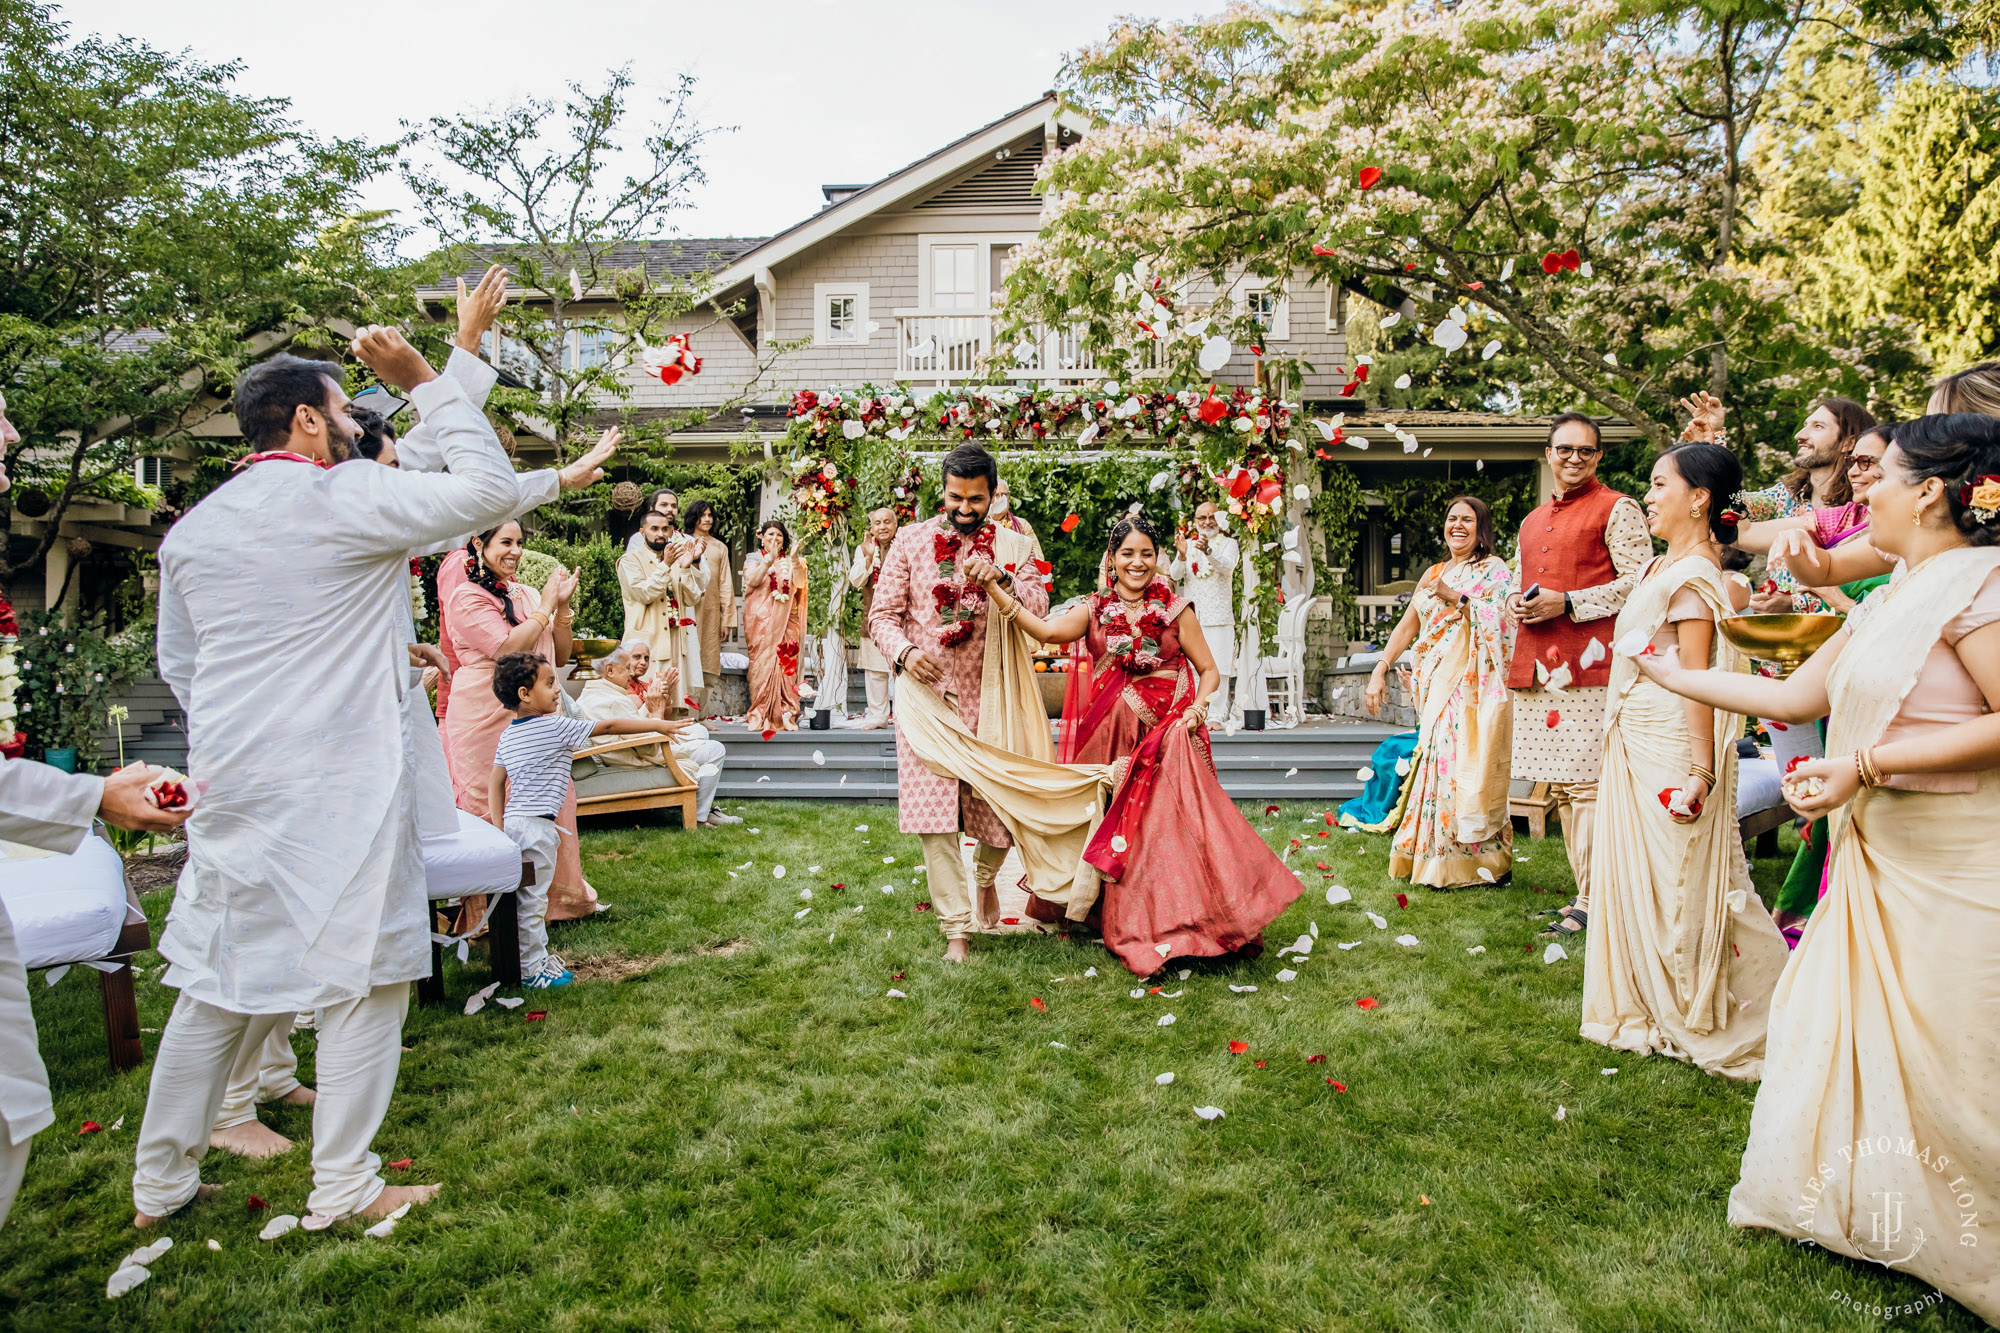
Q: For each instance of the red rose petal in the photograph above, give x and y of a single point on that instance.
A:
(1039, 1003)
(90, 1127)
(403, 1165)
(838, 887)
(897, 976)
(1322, 251)
(1554, 717)
(1776, 726)
(1322, 865)
(1794, 762)
(1238, 1047)
(1552, 263)
(689, 702)
(1329, 819)
(1315, 1059)
(1367, 1002)
(1069, 524)
(1260, 1064)
(1336, 1085)
(1572, 260)
(1153, 990)
(1010, 920)
(769, 733)
(1403, 901)
(1368, 177)
(921, 907)
(255, 1204)
(1270, 809)
(536, 1015)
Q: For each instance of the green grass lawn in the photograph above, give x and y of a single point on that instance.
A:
(729, 1125)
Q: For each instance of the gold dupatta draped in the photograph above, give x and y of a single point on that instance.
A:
(1681, 957)
(1877, 1131)
(1011, 714)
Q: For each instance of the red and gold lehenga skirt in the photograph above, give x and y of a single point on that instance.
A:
(1185, 875)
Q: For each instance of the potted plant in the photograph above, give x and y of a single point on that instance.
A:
(66, 677)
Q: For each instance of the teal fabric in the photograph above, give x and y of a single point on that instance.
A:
(1380, 798)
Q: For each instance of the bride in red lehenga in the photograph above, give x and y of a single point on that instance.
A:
(1185, 875)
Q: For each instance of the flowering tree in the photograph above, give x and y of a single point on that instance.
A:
(1573, 171)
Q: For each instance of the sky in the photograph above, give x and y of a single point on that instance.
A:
(820, 91)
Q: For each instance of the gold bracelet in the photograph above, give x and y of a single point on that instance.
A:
(540, 617)
(1864, 765)
(1697, 771)
(1861, 771)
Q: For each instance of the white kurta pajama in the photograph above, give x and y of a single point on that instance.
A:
(879, 675)
(284, 632)
(270, 1071)
(1208, 581)
(46, 808)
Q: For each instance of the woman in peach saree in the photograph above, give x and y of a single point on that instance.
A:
(774, 628)
(486, 617)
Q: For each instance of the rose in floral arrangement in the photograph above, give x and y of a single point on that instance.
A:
(820, 492)
(1135, 646)
(958, 602)
(1982, 497)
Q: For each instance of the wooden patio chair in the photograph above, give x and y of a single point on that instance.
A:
(606, 789)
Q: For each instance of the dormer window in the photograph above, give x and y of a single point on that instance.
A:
(842, 314)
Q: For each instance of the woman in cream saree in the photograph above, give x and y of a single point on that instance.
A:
(1682, 957)
(1454, 830)
(1877, 1131)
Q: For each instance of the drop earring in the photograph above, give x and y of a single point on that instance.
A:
(1694, 511)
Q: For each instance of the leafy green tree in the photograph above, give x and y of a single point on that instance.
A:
(157, 231)
(538, 188)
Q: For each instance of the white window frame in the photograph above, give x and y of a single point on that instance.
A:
(824, 292)
(1281, 312)
(162, 465)
(1334, 323)
(573, 349)
(984, 243)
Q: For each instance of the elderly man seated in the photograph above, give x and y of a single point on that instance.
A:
(620, 691)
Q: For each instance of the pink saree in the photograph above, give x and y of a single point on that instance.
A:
(1185, 875)
(775, 631)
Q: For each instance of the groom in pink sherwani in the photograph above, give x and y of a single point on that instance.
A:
(929, 619)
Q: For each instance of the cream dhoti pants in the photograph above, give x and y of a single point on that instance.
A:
(360, 1048)
(264, 1072)
(1576, 807)
(951, 891)
(13, 1165)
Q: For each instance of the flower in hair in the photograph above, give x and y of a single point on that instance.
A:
(1982, 497)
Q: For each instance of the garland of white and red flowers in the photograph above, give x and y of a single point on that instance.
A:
(1136, 645)
(958, 602)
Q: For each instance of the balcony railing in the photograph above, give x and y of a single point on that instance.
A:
(947, 345)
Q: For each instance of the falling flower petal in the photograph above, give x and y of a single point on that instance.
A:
(1491, 350)
(1365, 773)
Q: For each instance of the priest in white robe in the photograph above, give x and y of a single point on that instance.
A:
(284, 632)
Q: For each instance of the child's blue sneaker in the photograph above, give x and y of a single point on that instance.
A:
(551, 975)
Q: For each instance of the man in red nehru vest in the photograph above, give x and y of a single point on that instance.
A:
(1579, 554)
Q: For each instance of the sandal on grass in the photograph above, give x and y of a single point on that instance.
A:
(1574, 921)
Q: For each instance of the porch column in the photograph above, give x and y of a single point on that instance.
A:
(55, 572)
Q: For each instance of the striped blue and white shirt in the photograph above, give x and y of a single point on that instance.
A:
(537, 752)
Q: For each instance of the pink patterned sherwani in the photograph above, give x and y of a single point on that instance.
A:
(905, 612)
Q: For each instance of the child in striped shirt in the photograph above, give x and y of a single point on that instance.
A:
(530, 782)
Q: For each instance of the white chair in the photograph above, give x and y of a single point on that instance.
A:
(1285, 674)
(76, 909)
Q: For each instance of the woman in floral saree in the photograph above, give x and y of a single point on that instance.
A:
(1185, 875)
(1454, 831)
(774, 628)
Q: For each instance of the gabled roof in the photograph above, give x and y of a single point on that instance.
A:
(671, 256)
(919, 176)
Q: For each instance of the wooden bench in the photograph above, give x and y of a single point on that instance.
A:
(605, 789)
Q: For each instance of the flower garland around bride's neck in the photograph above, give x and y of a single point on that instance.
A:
(1137, 646)
(958, 602)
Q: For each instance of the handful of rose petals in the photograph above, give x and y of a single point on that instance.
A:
(174, 790)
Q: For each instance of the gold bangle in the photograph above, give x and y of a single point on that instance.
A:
(540, 617)
(1864, 763)
(1697, 771)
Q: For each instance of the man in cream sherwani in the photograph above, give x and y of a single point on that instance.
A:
(1204, 565)
(660, 581)
(862, 573)
(305, 887)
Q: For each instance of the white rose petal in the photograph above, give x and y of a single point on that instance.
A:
(1243, 990)
(1090, 971)
(1392, 319)
(124, 1280)
(777, 872)
(1365, 774)
(1562, 1112)
(278, 1226)
(1166, 1020)
(1380, 923)
(895, 995)
(1407, 941)
(800, 915)
(1611, 358)
(1555, 953)
(1477, 949)
(1209, 1112)
(1607, 1072)
(1118, 843)
(1402, 381)
(1137, 992)
(1355, 945)
(805, 893)
(1336, 895)
(1163, 1079)
(1287, 974)
(1215, 354)
(1449, 335)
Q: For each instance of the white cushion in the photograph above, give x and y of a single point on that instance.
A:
(1756, 786)
(477, 859)
(65, 909)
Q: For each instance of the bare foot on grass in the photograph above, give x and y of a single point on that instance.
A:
(957, 951)
(393, 1197)
(300, 1096)
(252, 1138)
(144, 1220)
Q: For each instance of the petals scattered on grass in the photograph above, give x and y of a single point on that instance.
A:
(1367, 1002)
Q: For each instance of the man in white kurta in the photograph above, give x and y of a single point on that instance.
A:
(304, 887)
(862, 572)
(1204, 565)
(660, 580)
(52, 810)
